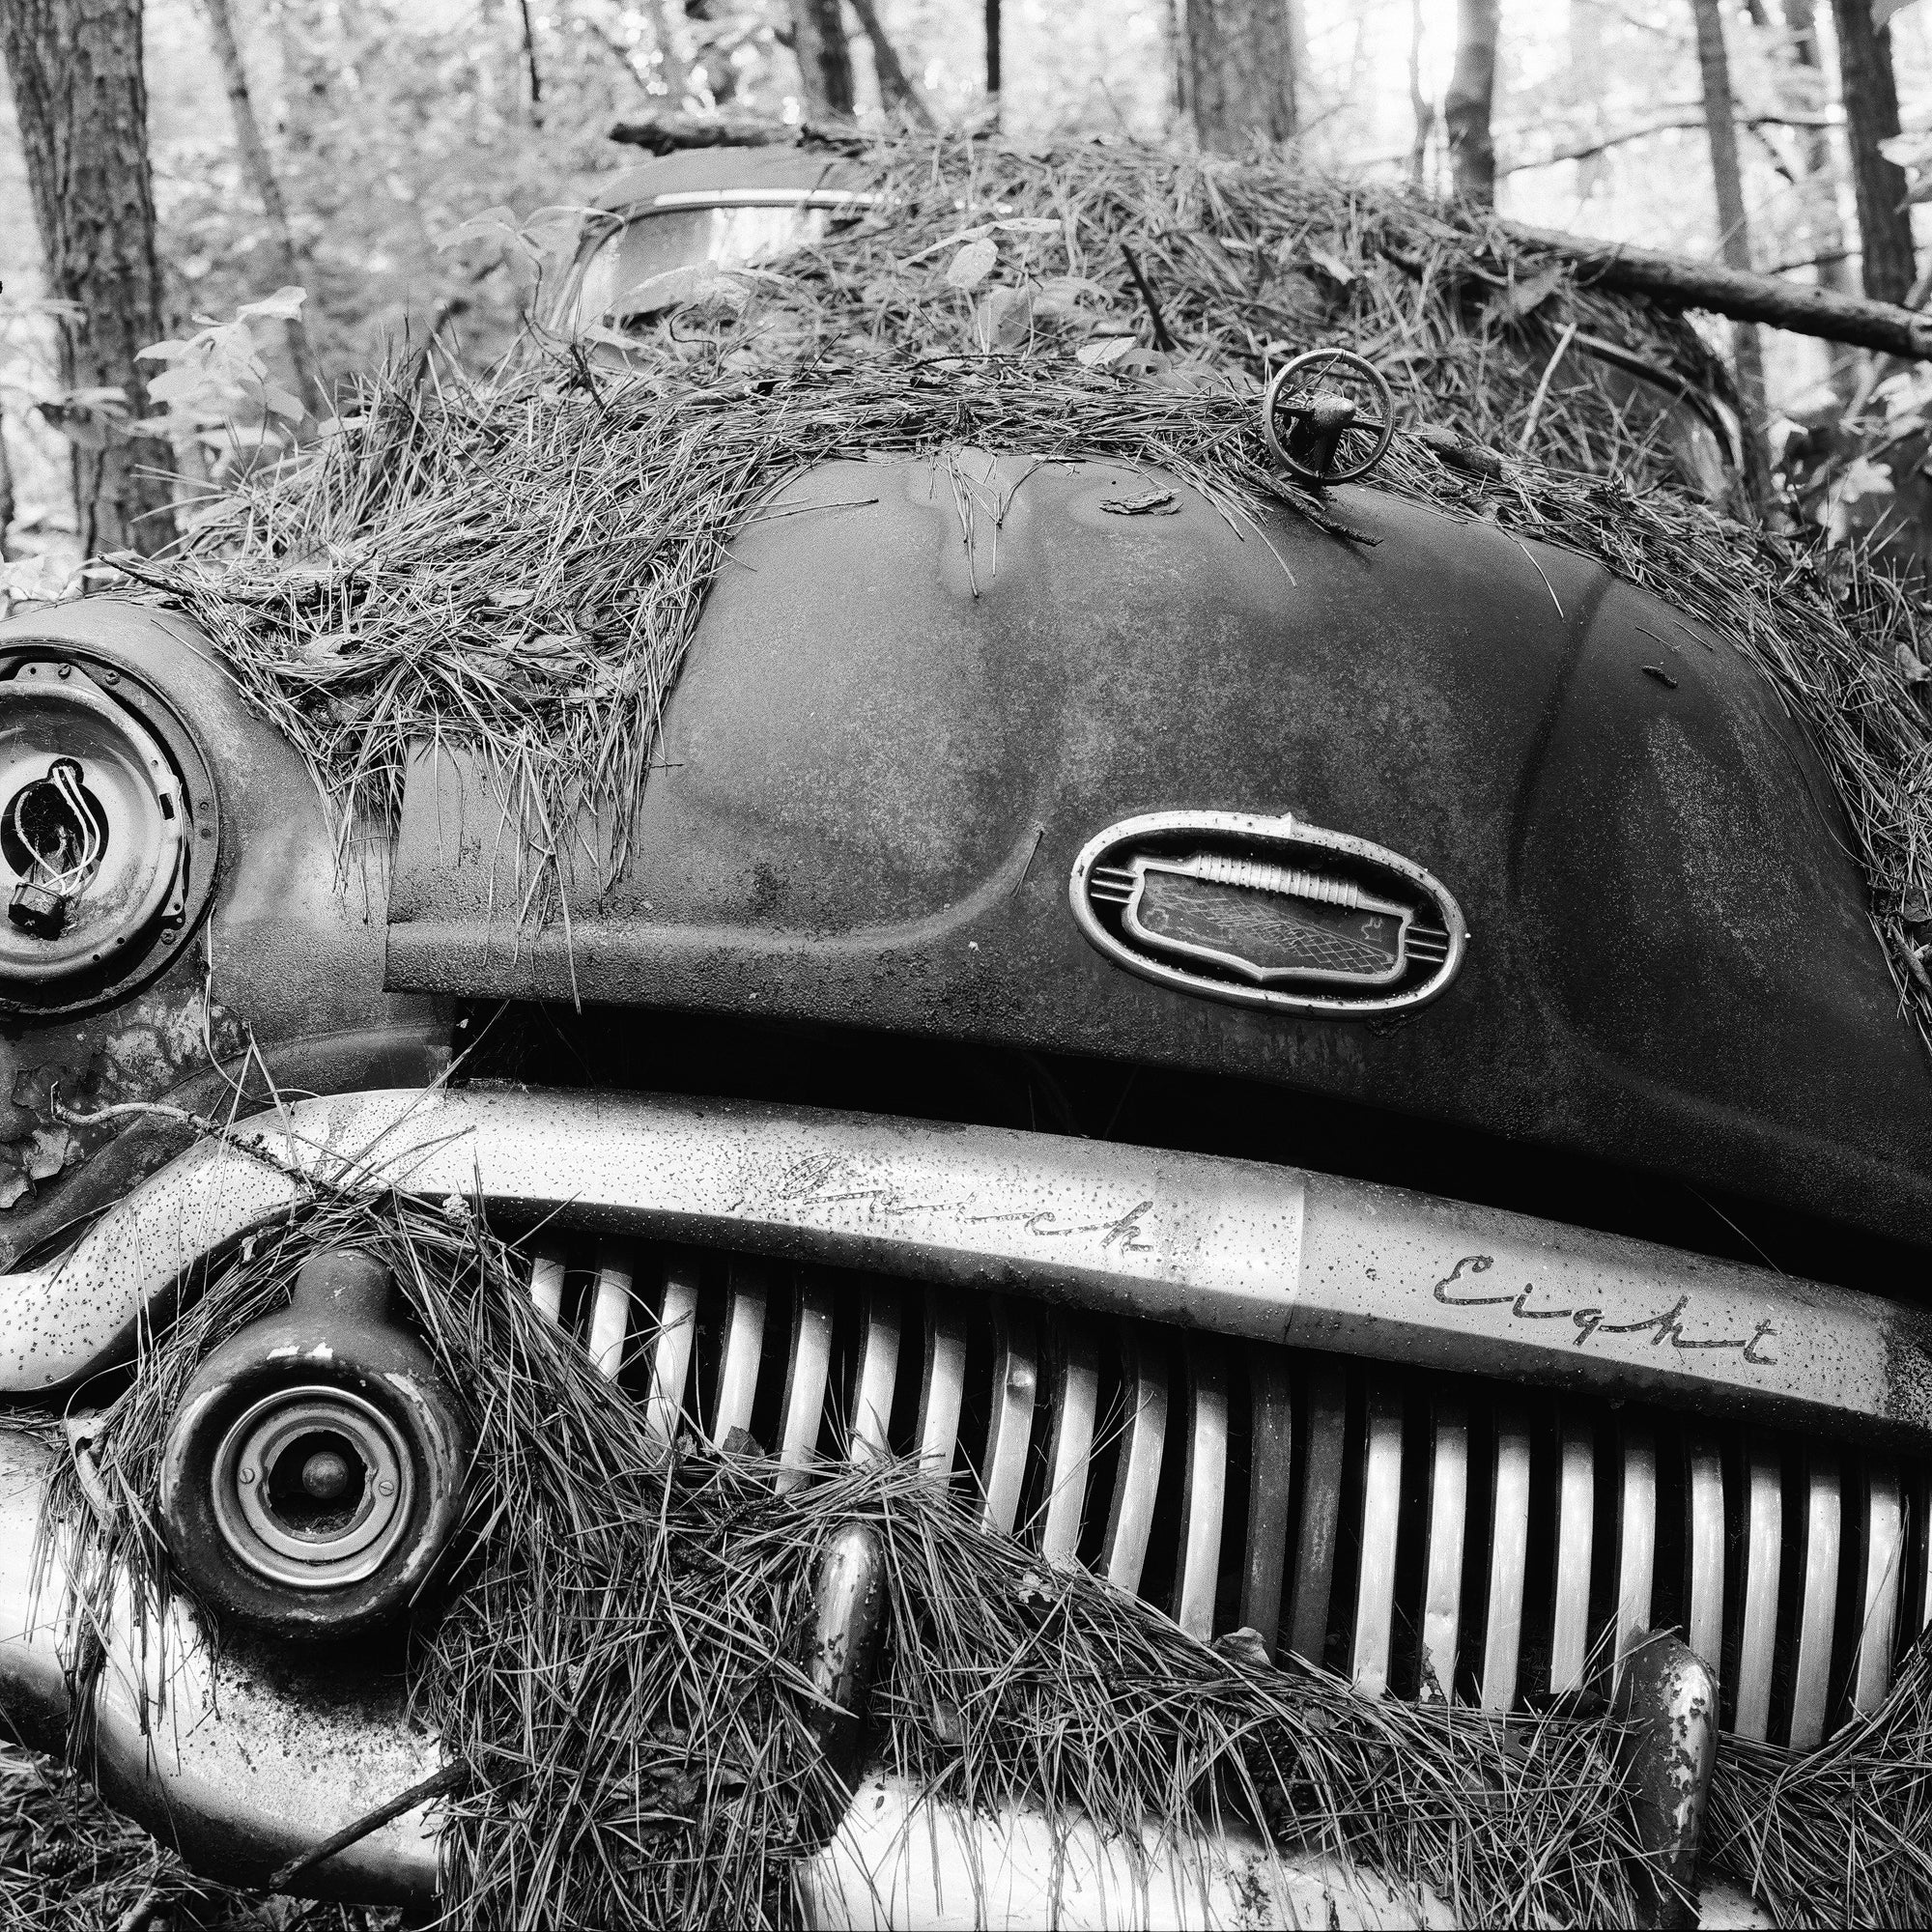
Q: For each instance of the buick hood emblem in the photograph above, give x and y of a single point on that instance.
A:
(1267, 912)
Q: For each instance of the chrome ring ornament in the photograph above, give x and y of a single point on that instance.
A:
(1268, 912)
(271, 1521)
(1313, 416)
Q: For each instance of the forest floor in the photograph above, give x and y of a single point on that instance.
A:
(69, 1865)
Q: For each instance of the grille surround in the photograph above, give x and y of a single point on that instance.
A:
(1426, 1536)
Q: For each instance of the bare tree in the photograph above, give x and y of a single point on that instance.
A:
(82, 102)
(1419, 103)
(530, 64)
(1733, 232)
(1240, 58)
(824, 60)
(1823, 229)
(260, 174)
(1465, 108)
(896, 91)
(1870, 96)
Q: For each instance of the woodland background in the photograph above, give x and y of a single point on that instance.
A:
(381, 125)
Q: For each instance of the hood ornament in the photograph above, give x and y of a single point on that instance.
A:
(1267, 912)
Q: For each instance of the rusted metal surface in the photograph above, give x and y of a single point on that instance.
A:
(1264, 1253)
(1669, 1697)
(291, 953)
(259, 1752)
(899, 724)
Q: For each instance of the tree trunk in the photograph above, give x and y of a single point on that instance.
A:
(1466, 108)
(260, 174)
(82, 103)
(896, 91)
(1420, 104)
(1871, 115)
(824, 60)
(993, 38)
(530, 65)
(1823, 229)
(1586, 84)
(6, 489)
(1733, 234)
(1241, 60)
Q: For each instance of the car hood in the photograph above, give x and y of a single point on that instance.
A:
(915, 697)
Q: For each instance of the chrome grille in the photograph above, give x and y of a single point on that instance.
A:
(1428, 1535)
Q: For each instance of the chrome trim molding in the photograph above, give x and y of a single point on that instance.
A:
(1249, 1251)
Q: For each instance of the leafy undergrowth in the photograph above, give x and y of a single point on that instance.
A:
(68, 1863)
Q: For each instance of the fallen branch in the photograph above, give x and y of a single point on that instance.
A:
(670, 133)
(1744, 296)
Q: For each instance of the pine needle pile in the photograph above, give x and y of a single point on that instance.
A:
(515, 564)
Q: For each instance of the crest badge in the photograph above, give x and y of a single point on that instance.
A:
(1267, 912)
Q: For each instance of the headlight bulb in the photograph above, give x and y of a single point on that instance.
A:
(60, 828)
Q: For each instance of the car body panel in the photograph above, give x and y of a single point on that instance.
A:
(899, 724)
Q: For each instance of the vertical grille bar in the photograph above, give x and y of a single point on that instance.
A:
(610, 1309)
(1203, 1485)
(942, 1389)
(1137, 1476)
(1509, 1560)
(1076, 1393)
(1381, 1505)
(744, 1345)
(1884, 1565)
(1015, 1381)
(1328, 1399)
(1636, 1536)
(1575, 1536)
(808, 1371)
(1764, 1565)
(1270, 1464)
(1704, 1623)
(878, 1374)
(1448, 1515)
(671, 1358)
(547, 1280)
(1811, 1685)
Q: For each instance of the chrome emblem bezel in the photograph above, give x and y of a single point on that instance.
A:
(1416, 935)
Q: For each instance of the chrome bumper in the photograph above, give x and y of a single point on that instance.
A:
(251, 1760)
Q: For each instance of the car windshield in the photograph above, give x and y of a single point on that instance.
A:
(726, 238)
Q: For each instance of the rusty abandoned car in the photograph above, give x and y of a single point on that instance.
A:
(1374, 1117)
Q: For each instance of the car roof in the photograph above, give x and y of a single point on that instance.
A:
(731, 173)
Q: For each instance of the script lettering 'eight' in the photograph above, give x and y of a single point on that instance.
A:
(1666, 1325)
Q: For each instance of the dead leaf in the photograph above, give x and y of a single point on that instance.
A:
(948, 1726)
(49, 1150)
(973, 264)
(1002, 318)
(1149, 503)
(1526, 298)
(1244, 1647)
(1912, 667)
(1103, 349)
(1332, 265)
